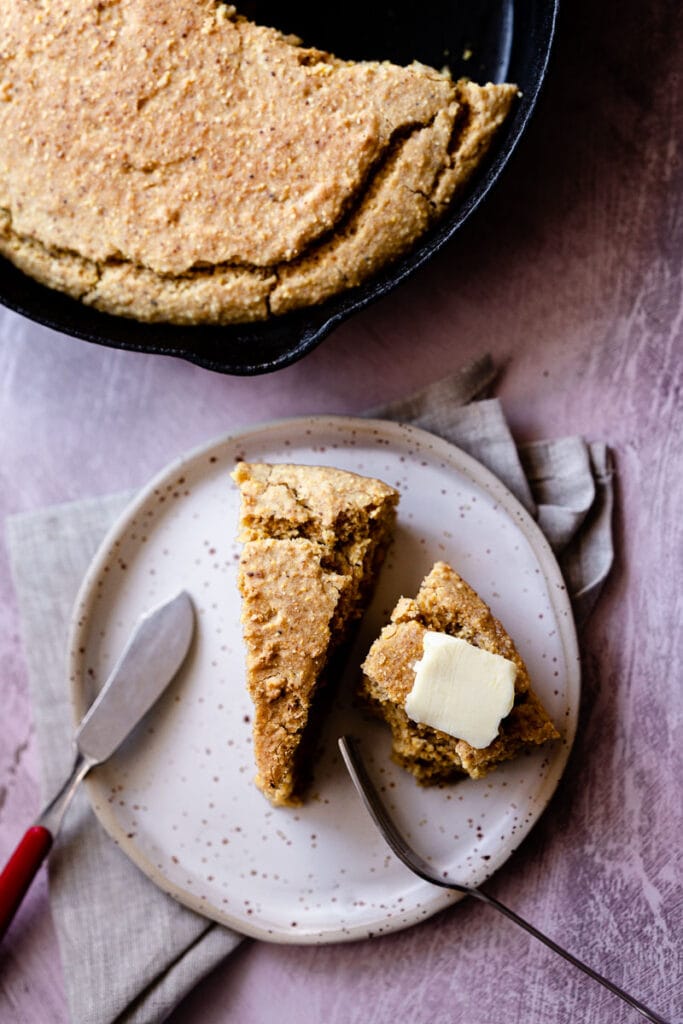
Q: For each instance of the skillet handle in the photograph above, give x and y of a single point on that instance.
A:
(20, 871)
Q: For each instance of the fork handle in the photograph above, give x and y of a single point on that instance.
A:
(20, 871)
(510, 914)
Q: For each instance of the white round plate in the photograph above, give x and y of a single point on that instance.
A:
(179, 797)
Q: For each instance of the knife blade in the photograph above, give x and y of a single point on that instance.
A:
(150, 660)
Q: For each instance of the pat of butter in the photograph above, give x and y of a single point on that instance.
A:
(461, 689)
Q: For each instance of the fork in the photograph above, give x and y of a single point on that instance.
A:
(379, 814)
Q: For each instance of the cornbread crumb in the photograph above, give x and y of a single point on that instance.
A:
(173, 161)
(314, 539)
(445, 603)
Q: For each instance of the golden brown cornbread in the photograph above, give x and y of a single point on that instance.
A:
(169, 160)
(314, 538)
(445, 603)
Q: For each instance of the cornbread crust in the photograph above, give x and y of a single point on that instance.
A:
(314, 538)
(445, 603)
(172, 161)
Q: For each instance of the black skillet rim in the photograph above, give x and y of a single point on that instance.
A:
(251, 349)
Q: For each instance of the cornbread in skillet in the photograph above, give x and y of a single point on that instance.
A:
(445, 603)
(169, 160)
(314, 538)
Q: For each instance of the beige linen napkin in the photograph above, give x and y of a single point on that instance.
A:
(130, 953)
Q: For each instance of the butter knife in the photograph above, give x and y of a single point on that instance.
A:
(155, 651)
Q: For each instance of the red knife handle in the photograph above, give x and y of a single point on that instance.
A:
(20, 871)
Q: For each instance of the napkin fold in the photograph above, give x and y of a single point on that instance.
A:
(130, 953)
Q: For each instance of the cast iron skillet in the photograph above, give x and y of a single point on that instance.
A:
(509, 40)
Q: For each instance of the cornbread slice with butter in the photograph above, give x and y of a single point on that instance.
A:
(314, 539)
(446, 604)
(170, 160)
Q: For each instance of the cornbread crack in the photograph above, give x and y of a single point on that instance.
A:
(314, 538)
(445, 603)
(173, 161)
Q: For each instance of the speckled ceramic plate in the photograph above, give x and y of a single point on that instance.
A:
(179, 797)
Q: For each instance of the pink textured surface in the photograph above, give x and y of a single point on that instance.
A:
(570, 276)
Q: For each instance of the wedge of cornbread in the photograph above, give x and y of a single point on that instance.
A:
(314, 538)
(445, 603)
